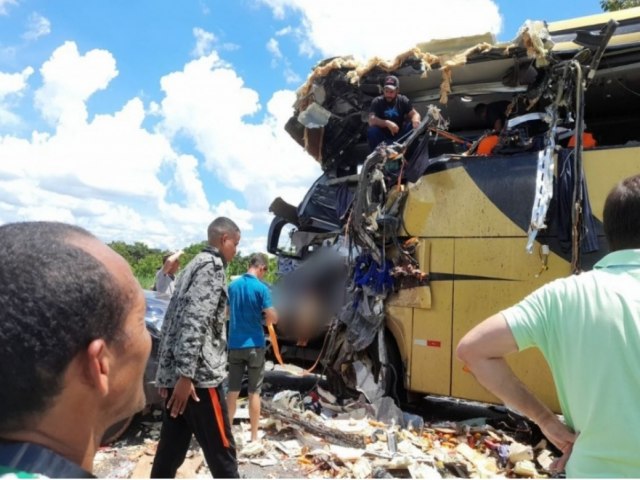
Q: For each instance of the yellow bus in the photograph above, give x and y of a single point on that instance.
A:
(395, 253)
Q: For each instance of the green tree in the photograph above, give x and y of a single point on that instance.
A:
(190, 252)
(272, 274)
(146, 261)
(145, 269)
(122, 249)
(238, 265)
(612, 5)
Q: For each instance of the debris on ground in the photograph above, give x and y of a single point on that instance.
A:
(302, 438)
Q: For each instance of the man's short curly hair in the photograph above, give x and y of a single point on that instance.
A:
(55, 298)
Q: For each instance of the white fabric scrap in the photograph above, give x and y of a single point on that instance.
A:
(544, 193)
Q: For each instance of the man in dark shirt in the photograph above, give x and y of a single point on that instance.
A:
(391, 115)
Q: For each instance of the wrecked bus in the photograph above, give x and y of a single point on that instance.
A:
(393, 255)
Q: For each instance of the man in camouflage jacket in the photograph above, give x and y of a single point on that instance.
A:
(192, 361)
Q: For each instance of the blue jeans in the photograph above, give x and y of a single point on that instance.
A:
(376, 135)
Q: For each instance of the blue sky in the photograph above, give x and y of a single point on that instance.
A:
(142, 120)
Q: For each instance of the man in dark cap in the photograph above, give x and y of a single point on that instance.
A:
(391, 115)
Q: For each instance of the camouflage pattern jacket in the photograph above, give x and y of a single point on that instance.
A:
(194, 340)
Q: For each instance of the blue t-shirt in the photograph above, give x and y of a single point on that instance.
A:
(248, 297)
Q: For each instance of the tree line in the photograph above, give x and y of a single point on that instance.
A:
(612, 5)
(145, 261)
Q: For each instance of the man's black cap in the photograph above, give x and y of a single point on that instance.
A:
(391, 82)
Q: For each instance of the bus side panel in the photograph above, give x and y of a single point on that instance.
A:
(431, 349)
(603, 168)
(491, 275)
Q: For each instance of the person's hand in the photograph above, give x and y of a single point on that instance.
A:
(560, 464)
(176, 255)
(163, 393)
(561, 436)
(393, 128)
(178, 402)
(415, 123)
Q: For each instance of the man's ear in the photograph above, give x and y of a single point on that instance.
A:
(97, 365)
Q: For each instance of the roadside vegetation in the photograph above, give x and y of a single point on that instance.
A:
(612, 5)
(145, 261)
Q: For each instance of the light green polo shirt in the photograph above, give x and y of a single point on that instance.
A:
(588, 328)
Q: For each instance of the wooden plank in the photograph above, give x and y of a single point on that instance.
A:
(316, 428)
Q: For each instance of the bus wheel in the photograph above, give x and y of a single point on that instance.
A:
(393, 371)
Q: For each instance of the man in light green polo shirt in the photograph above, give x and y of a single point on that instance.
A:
(588, 329)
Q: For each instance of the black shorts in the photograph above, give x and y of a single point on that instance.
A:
(253, 360)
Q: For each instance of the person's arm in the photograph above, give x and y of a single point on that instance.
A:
(375, 121)
(270, 313)
(270, 316)
(415, 118)
(170, 263)
(483, 350)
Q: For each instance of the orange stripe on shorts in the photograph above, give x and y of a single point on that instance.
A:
(217, 408)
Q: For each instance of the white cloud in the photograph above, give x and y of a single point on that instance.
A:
(11, 85)
(291, 76)
(367, 28)
(207, 41)
(112, 158)
(105, 173)
(69, 79)
(278, 7)
(8, 118)
(210, 104)
(122, 175)
(188, 181)
(38, 26)
(273, 48)
(6, 3)
(284, 31)
(250, 244)
(204, 42)
(204, 7)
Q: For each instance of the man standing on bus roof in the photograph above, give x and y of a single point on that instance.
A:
(587, 327)
(391, 115)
